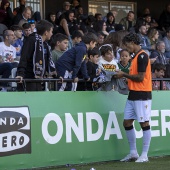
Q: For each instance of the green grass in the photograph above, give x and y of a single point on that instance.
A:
(155, 163)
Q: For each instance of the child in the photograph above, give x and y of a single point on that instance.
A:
(76, 37)
(107, 61)
(72, 60)
(60, 42)
(36, 59)
(26, 31)
(124, 63)
(92, 68)
(18, 42)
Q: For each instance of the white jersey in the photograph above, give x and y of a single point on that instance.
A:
(7, 53)
(108, 66)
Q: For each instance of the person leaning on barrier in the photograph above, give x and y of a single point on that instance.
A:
(36, 57)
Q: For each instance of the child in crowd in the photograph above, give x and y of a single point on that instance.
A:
(76, 37)
(60, 43)
(32, 23)
(124, 63)
(26, 31)
(107, 61)
(18, 42)
(92, 68)
(69, 64)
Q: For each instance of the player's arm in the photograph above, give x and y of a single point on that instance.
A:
(137, 77)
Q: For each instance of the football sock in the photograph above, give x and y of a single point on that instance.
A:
(146, 140)
(130, 133)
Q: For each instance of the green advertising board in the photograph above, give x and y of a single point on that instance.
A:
(41, 129)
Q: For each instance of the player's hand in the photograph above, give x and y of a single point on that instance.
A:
(119, 74)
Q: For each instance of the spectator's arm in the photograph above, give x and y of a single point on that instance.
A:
(63, 23)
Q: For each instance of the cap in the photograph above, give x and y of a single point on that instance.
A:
(66, 3)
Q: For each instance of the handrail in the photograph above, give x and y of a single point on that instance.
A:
(55, 81)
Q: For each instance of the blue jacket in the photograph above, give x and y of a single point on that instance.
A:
(73, 60)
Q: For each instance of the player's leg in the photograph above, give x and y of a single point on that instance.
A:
(143, 109)
(129, 116)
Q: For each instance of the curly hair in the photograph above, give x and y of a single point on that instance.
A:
(132, 37)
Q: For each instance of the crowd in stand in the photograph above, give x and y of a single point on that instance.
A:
(71, 44)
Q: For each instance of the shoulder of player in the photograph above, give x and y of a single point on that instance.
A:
(143, 55)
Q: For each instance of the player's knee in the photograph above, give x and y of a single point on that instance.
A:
(127, 123)
(144, 124)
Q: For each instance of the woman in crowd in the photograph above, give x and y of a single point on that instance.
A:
(100, 26)
(153, 36)
(6, 14)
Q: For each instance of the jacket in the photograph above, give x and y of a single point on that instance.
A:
(73, 60)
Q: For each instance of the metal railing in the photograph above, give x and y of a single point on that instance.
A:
(56, 81)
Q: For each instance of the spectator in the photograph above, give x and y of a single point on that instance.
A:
(66, 7)
(98, 16)
(69, 64)
(124, 63)
(100, 26)
(153, 36)
(7, 55)
(158, 72)
(149, 21)
(20, 9)
(164, 19)
(129, 21)
(26, 31)
(107, 61)
(89, 24)
(75, 38)
(92, 68)
(32, 22)
(159, 54)
(6, 14)
(115, 39)
(60, 42)
(27, 13)
(110, 23)
(114, 11)
(35, 58)
(101, 38)
(75, 6)
(81, 17)
(166, 40)
(7, 51)
(145, 43)
(67, 24)
(18, 42)
(52, 19)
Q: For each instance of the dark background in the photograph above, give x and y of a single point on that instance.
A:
(155, 6)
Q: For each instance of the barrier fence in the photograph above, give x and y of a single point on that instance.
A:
(41, 129)
(55, 81)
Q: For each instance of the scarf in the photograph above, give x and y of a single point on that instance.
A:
(39, 60)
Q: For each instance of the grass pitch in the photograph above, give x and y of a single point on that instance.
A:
(155, 163)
